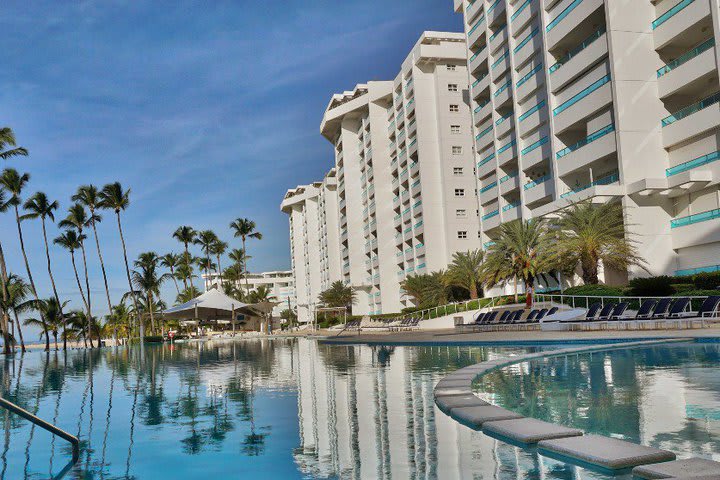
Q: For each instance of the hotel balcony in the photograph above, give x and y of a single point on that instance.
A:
(482, 111)
(419, 250)
(578, 60)
(597, 146)
(504, 125)
(412, 147)
(414, 169)
(529, 44)
(507, 152)
(486, 165)
(685, 16)
(691, 121)
(419, 228)
(491, 220)
(694, 67)
(489, 193)
(473, 10)
(397, 221)
(417, 209)
(532, 118)
(415, 188)
(564, 21)
(485, 136)
(476, 31)
(480, 85)
(509, 183)
(574, 106)
(538, 190)
(696, 229)
(496, 12)
(501, 63)
(536, 152)
(503, 92)
(396, 202)
(410, 108)
(375, 261)
(511, 212)
(678, 182)
(478, 59)
(498, 39)
(523, 12)
(530, 82)
(411, 128)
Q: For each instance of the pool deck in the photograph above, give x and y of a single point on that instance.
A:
(518, 337)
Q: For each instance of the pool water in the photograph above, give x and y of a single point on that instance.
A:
(294, 408)
(667, 396)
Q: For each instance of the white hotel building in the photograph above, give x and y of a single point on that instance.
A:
(405, 199)
(601, 99)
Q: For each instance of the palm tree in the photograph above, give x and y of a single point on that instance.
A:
(52, 313)
(17, 301)
(186, 235)
(88, 196)
(206, 239)
(218, 249)
(427, 290)
(7, 139)
(338, 295)
(14, 183)
(147, 281)
(188, 294)
(261, 294)
(465, 271)
(118, 322)
(113, 197)
(589, 233)
(71, 241)
(521, 251)
(78, 220)
(244, 228)
(171, 261)
(39, 206)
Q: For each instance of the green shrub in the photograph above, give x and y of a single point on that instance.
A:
(595, 291)
(651, 286)
(707, 281)
(695, 304)
(153, 339)
(682, 287)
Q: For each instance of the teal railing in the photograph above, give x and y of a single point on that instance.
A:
(607, 180)
(495, 4)
(501, 58)
(695, 271)
(537, 182)
(488, 187)
(583, 45)
(497, 32)
(525, 40)
(535, 145)
(486, 160)
(483, 133)
(687, 56)
(491, 214)
(690, 109)
(481, 105)
(479, 79)
(510, 206)
(695, 218)
(507, 146)
(671, 13)
(579, 96)
(488, 244)
(520, 9)
(554, 23)
(478, 53)
(503, 118)
(529, 75)
(694, 163)
(532, 110)
(476, 25)
(508, 177)
(502, 88)
(589, 139)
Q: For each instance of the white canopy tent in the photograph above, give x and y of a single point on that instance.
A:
(211, 306)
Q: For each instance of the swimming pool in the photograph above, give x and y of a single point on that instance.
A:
(281, 408)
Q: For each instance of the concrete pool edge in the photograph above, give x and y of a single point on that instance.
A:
(460, 382)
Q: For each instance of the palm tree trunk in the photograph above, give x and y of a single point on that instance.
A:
(22, 340)
(127, 271)
(5, 315)
(219, 270)
(55, 333)
(30, 278)
(187, 264)
(152, 316)
(77, 278)
(88, 327)
(247, 282)
(516, 292)
(52, 278)
(172, 273)
(102, 265)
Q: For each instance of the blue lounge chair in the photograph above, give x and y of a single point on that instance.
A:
(541, 314)
(618, 311)
(606, 311)
(592, 312)
(646, 309)
(662, 307)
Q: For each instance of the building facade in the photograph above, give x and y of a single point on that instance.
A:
(404, 163)
(600, 99)
(281, 285)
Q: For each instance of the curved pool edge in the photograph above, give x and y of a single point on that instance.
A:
(453, 394)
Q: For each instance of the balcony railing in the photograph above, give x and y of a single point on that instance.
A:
(495, 4)
(529, 75)
(607, 180)
(502, 88)
(579, 96)
(690, 109)
(497, 32)
(535, 145)
(507, 146)
(532, 110)
(696, 218)
(671, 13)
(483, 133)
(589, 139)
(479, 79)
(695, 271)
(481, 105)
(501, 58)
(478, 53)
(486, 160)
(489, 244)
(510, 206)
(694, 163)
(520, 9)
(508, 177)
(488, 187)
(537, 182)
(525, 40)
(562, 15)
(503, 118)
(476, 25)
(491, 214)
(687, 56)
(583, 45)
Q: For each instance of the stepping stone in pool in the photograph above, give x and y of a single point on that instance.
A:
(603, 452)
(527, 431)
(446, 403)
(692, 467)
(475, 417)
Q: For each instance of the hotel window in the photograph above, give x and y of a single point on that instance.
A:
(455, 129)
(457, 171)
(462, 234)
(451, 68)
(456, 150)
(452, 87)
(460, 213)
(459, 192)
(454, 108)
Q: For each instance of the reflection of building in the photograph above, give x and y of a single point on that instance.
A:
(281, 285)
(587, 99)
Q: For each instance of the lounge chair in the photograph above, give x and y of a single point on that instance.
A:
(532, 315)
(678, 307)
(552, 311)
(606, 312)
(517, 315)
(491, 317)
(618, 311)
(541, 314)
(592, 311)
(709, 307)
(646, 309)
(480, 318)
(504, 316)
(662, 307)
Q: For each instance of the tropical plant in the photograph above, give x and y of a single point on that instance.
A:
(218, 249)
(186, 235)
(465, 271)
(7, 139)
(114, 197)
(71, 241)
(89, 196)
(245, 228)
(338, 295)
(427, 290)
(148, 281)
(51, 312)
(521, 252)
(261, 294)
(118, 322)
(171, 261)
(205, 240)
(17, 301)
(188, 294)
(589, 233)
(14, 183)
(78, 220)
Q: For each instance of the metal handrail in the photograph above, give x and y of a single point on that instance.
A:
(74, 442)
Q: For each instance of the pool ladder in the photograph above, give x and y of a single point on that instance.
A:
(44, 425)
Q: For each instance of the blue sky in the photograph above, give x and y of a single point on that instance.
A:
(208, 111)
